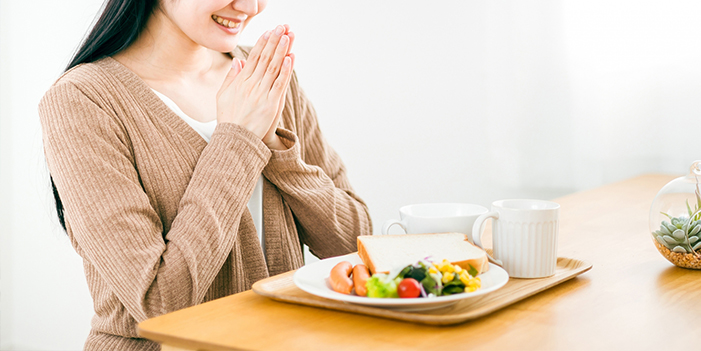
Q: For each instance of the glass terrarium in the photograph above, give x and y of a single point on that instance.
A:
(675, 220)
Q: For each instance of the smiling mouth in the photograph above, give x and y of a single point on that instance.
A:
(225, 22)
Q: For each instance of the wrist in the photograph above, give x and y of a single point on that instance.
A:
(275, 143)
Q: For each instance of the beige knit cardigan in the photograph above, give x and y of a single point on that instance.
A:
(159, 215)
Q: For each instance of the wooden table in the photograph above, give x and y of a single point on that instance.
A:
(633, 299)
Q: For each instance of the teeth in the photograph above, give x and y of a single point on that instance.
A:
(224, 22)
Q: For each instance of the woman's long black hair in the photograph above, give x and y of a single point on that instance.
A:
(118, 26)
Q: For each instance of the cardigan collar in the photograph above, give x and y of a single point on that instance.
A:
(142, 90)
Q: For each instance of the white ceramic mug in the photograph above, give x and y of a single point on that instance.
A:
(524, 236)
(437, 218)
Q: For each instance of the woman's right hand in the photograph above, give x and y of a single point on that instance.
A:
(252, 93)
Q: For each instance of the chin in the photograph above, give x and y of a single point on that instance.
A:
(224, 47)
(221, 45)
(222, 42)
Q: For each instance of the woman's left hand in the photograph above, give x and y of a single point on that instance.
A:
(271, 139)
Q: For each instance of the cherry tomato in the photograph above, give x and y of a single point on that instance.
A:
(409, 288)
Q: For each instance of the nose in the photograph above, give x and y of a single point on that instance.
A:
(249, 7)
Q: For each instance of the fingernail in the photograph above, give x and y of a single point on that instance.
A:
(279, 30)
(286, 61)
(235, 64)
(284, 40)
(266, 35)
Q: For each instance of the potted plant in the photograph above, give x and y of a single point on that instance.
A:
(675, 220)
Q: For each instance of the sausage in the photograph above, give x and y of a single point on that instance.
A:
(361, 274)
(340, 278)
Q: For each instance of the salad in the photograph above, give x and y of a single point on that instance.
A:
(423, 279)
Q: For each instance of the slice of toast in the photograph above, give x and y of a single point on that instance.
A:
(382, 253)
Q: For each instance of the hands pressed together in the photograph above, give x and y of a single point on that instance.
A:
(253, 93)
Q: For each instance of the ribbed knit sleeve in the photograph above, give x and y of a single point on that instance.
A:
(313, 182)
(120, 233)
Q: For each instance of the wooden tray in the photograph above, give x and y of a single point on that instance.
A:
(281, 288)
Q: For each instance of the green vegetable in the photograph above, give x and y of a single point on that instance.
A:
(472, 271)
(405, 271)
(453, 289)
(418, 273)
(432, 284)
(379, 285)
(454, 286)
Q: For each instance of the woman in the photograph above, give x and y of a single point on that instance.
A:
(158, 212)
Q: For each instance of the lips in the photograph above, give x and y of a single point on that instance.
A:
(225, 22)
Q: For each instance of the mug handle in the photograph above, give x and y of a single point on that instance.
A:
(478, 228)
(391, 222)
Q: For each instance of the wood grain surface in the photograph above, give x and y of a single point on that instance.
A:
(633, 299)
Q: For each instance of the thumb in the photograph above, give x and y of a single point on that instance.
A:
(236, 68)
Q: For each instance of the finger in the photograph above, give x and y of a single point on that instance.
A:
(233, 72)
(289, 33)
(283, 99)
(267, 54)
(281, 103)
(273, 70)
(292, 41)
(255, 53)
(291, 69)
(280, 85)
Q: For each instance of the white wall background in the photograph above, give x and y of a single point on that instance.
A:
(465, 101)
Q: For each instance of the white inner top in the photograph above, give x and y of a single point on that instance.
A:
(205, 129)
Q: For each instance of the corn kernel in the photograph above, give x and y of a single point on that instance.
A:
(458, 269)
(470, 289)
(443, 265)
(447, 277)
(471, 284)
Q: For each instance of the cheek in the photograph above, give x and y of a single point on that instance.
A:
(199, 28)
(191, 19)
(194, 19)
(205, 32)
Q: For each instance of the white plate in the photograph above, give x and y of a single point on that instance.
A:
(314, 278)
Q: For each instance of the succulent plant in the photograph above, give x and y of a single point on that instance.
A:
(682, 234)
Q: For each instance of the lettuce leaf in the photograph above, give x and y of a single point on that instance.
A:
(472, 271)
(418, 272)
(432, 284)
(380, 286)
(454, 286)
